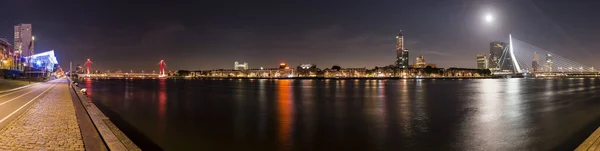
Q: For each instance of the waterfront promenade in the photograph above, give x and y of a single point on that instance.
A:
(592, 143)
(48, 121)
(51, 116)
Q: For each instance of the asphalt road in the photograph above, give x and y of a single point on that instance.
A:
(13, 104)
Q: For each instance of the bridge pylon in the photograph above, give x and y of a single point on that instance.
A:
(161, 71)
(89, 66)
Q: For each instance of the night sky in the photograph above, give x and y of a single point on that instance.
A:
(136, 35)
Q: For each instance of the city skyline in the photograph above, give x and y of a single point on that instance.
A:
(449, 39)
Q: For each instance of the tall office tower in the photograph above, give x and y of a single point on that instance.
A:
(496, 51)
(535, 63)
(24, 42)
(401, 52)
(507, 64)
(548, 62)
(482, 62)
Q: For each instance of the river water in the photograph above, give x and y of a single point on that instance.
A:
(263, 114)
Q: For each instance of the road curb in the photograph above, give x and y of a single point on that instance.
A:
(19, 88)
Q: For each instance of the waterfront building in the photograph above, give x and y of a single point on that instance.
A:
(401, 52)
(535, 62)
(482, 62)
(338, 72)
(282, 65)
(548, 63)
(466, 72)
(306, 70)
(420, 62)
(405, 59)
(44, 61)
(6, 55)
(496, 51)
(501, 60)
(238, 66)
(24, 42)
(282, 72)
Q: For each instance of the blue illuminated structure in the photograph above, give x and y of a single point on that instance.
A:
(43, 61)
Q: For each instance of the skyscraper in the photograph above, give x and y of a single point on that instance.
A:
(548, 62)
(401, 52)
(506, 61)
(482, 62)
(535, 63)
(496, 51)
(23, 42)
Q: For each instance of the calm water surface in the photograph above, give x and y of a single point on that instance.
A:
(482, 114)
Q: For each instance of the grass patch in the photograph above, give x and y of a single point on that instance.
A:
(11, 84)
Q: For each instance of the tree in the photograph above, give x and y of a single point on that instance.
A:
(428, 70)
(183, 73)
(487, 72)
(336, 67)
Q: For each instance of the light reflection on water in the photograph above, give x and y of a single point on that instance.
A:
(284, 114)
(162, 107)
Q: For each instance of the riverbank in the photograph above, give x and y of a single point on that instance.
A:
(52, 115)
(502, 114)
(110, 134)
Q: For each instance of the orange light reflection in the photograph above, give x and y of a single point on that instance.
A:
(285, 111)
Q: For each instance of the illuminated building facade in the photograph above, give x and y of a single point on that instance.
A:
(401, 52)
(6, 55)
(283, 71)
(548, 63)
(307, 70)
(24, 43)
(482, 62)
(535, 63)
(238, 66)
(283, 66)
(44, 61)
(496, 51)
(338, 72)
(420, 62)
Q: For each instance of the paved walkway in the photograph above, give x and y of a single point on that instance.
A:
(592, 143)
(50, 124)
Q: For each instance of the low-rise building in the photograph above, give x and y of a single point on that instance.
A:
(338, 72)
(6, 55)
(482, 62)
(306, 70)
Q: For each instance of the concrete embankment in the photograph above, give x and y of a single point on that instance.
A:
(110, 135)
(592, 143)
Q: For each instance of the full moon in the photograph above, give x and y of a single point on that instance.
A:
(489, 18)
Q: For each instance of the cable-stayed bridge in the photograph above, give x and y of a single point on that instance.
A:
(521, 58)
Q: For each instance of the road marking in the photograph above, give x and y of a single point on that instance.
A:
(17, 97)
(11, 114)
